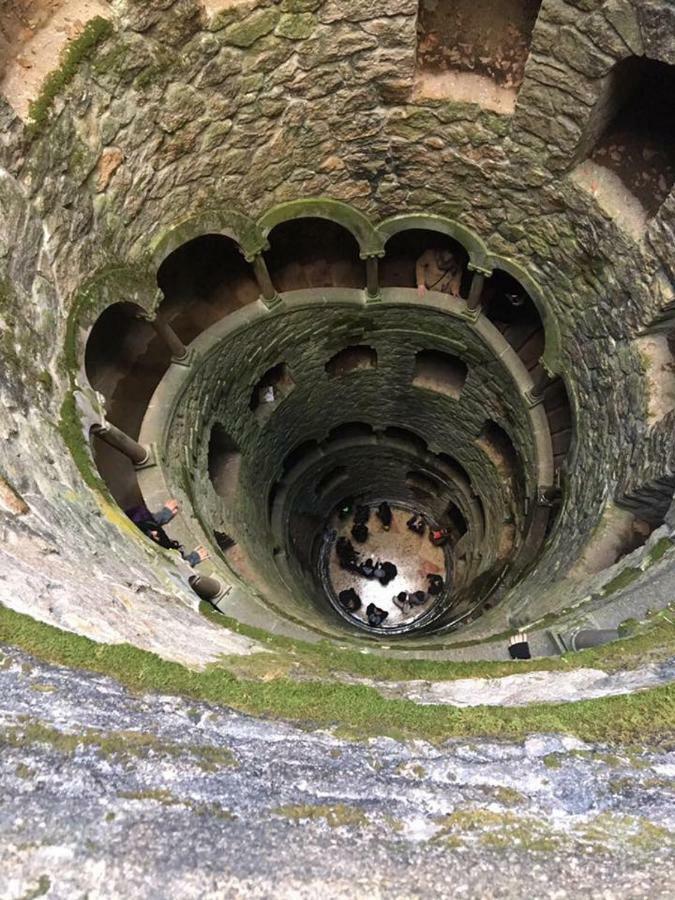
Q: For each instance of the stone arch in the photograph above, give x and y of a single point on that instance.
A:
(473, 245)
(354, 221)
(551, 356)
(235, 225)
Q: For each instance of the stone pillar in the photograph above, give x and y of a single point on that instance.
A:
(262, 276)
(179, 352)
(206, 587)
(476, 291)
(593, 637)
(114, 437)
(372, 278)
(541, 382)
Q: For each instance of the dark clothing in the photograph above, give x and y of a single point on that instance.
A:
(350, 600)
(390, 572)
(384, 515)
(345, 509)
(416, 524)
(367, 568)
(361, 515)
(418, 598)
(436, 585)
(376, 616)
(520, 651)
(360, 533)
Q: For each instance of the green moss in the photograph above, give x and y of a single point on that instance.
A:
(622, 580)
(338, 815)
(43, 886)
(70, 429)
(123, 743)
(508, 796)
(76, 52)
(245, 33)
(24, 771)
(552, 761)
(360, 711)
(659, 550)
(324, 658)
(296, 27)
(496, 830)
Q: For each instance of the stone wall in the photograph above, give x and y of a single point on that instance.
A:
(175, 117)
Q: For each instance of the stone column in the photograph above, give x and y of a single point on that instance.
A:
(206, 587)
(372, 278)
(179, 352)
(262, 276)
(114, 437)
(541, 382)
(476, 291)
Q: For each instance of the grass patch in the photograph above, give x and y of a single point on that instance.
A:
(94, 33)
(291, 657)
(359, 711)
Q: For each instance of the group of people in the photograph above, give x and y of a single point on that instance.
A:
(417, 524)
(407, 601)
(362, 517)
(351, 561)
(351, 601)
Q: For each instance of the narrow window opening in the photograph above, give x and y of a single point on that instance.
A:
(440, 372)
(500, 448)
(350, 431)
(351, 359)
(224, 461)
(457, 520)
(276, 384)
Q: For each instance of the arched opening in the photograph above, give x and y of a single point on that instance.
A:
(423, 485)
(657, 353)
(499, 447)
(269, 392)
(124, 360)
(351, 359)
(330, 480)
(314, 253)
(457, 521)
(456, 469)
(631, 132)
(559, 414)
(350, 431)
(401, 435)
(224, 461)
(440, 372)
(203, 281)
(474, 50)
(299, 454)
(430, 258)
(509, 307)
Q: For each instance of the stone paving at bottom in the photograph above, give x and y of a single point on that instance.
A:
(110, 794)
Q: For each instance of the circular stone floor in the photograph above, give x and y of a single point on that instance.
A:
(413, 555)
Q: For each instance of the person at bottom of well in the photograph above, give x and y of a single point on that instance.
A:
(376, 616)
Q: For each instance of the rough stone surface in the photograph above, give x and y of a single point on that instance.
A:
(109, 794)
